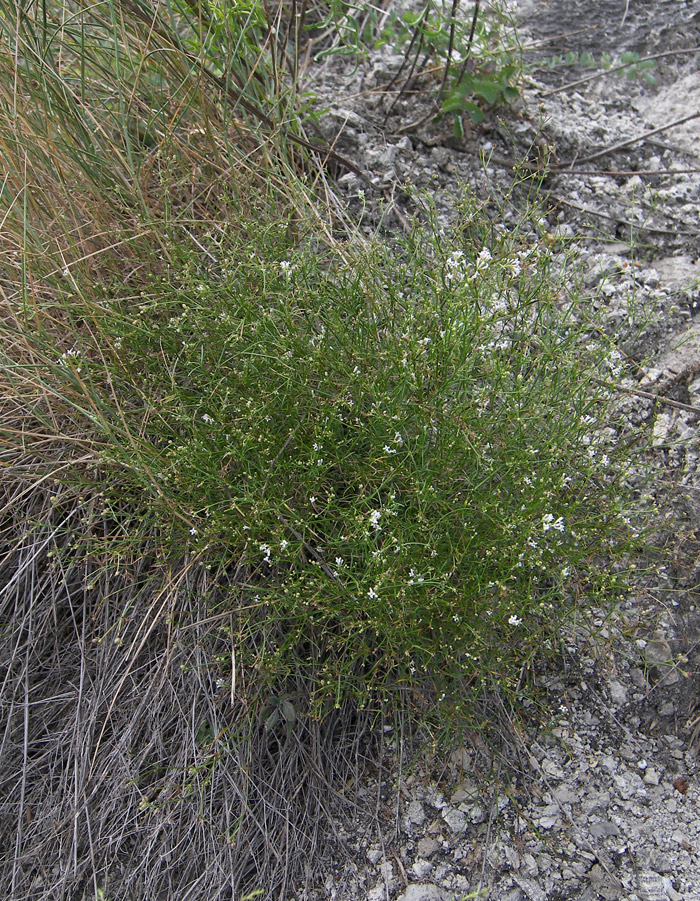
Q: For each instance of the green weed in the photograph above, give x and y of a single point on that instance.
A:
(630, 63)
(405, 455)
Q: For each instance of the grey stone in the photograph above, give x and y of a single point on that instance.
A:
(658, 652)
(461, 758)
(455, 819)
(606, 885)
(531, 889)
(670, 676)
(477, 814)
(638, 678)
(374, 855)
(516, 895)
(422, 868)
(530, 864)
(618, 692)
(427, 846)
(424, 891)
(465, 791)
(650, 277)
(565, 794)
(416, 813)
(651, 886)
(680, 838)
(552, 769)
(604, 830)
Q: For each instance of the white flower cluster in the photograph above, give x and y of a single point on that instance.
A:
(455, 268)
(549, 521)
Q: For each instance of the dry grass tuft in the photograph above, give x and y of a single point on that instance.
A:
(125, 768)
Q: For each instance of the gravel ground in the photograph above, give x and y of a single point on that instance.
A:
(602, 802)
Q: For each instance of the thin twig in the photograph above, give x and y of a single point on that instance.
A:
(627, 173)
(627, 9)
(569, 170)
(450, 47)
(649, 395)
(558, 37)
(642, 137)
(468, 51)
(638, 225)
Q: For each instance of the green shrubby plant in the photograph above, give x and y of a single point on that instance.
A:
(471, 54)
(400, 460)
(475, 50)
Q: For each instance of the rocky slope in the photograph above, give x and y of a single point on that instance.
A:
(604, 801)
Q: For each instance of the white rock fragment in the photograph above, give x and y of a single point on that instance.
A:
(651, 886)
(424, 892)
(618, 693)
(374, 855)
(422, 868)
(416, 813)
(455, 819)
(530, 887)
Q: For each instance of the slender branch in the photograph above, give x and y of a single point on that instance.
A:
(638, 225)
(468, 51)
(450, 48)
(642, 137)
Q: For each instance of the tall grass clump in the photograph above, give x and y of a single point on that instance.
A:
(126, 131)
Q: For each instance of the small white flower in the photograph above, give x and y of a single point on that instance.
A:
(456, 618)
(339, 561)
(372, 594)
(374, 518)
(193, 531)
(66, 355)
(389, 450)
(284, 544)
(265, 548)
(514, 620)
(207, 418)
(312, 499)
(549, 522)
